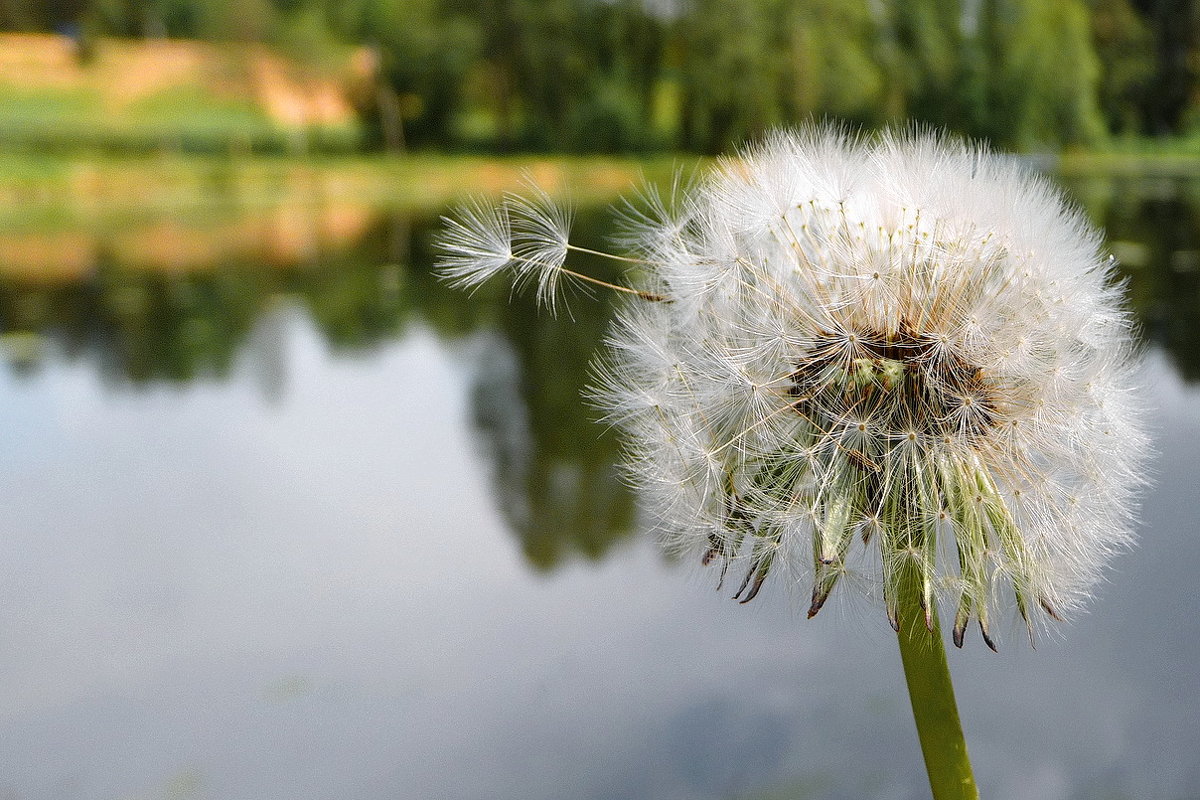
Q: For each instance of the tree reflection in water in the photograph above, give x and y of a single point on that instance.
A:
(556, 474)
(1153, 228)
(178, 304)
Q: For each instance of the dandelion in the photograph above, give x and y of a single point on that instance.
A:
(901, 359)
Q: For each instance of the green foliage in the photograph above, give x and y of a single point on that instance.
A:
(568, 75)
(1044, 73)
(1171, 100)
(1126, 52)
(426, 50)
(749, 66)
(929, 59)
(833, 66)
(634, 75)
(237, 20)
(184, 119)
(730, 72)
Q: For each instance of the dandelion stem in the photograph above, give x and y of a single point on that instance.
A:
(932, 695)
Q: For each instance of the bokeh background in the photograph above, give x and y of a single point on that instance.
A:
(587, 75)
(281, 516)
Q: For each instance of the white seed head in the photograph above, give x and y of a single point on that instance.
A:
(901, 343)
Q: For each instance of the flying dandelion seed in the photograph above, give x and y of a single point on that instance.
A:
(884, 357)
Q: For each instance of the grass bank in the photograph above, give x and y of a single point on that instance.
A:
(42, 189)
(71, 190)
(1141, 157)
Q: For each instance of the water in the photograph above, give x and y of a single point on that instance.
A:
(285, 518)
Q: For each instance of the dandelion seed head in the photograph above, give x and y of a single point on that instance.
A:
(869, 356)
(936, 342)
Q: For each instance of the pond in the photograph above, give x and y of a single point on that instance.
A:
(284, 517)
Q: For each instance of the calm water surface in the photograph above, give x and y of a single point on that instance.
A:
(286, 519)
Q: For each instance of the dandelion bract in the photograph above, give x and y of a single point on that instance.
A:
(865, 357)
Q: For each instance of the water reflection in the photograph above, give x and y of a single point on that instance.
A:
(177, 299)
(143, 320)
(1153, 228)
(556, 473)
(244, 558)
(181, 300)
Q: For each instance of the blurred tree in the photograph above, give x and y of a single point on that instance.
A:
(24, 15)
(618, 75)
(1126, 51)
(732, 67)
(752, 65)
(425, 50)
(1172, 99)
(922, 42)
(832, 62)
(626, 49)
(576, 75)
(218, 20)
(549, 67)
(1042, 74)
(62, 16)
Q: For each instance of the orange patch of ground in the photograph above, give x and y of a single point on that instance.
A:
(124, 71)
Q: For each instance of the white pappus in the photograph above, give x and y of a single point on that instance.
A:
(875, 356)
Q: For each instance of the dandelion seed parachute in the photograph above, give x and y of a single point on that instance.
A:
(874, 355)
(526, 236)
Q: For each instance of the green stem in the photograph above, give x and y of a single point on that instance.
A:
(932, 696)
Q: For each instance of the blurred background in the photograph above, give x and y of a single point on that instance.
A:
(285, 517)
(587, 75)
